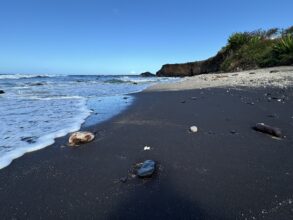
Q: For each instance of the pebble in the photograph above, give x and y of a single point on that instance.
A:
(193, 129)
(268, 129)
(147, 169)
(146, 148)
(2, 92)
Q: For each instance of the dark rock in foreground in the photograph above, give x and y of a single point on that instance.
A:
(2, 92)
(268, 130)
(147, 169)
(147, 74)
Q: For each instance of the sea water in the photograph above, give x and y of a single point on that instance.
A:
(36, 109)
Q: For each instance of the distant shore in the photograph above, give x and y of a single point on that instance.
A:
(224, 171)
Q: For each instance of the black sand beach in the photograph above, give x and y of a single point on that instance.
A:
(224, 171)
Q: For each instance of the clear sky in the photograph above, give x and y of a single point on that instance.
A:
(124, 36)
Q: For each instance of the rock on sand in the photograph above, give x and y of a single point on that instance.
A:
(193, 129)
(78, 138)
(147, 169)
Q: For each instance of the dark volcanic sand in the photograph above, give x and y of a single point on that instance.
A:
(213, 174)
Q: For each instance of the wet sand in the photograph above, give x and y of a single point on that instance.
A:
(225, 171)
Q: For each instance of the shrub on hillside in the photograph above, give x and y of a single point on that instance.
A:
(260, 48)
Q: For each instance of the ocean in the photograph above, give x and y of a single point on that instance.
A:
(36, 109)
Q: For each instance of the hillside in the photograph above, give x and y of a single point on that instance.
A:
(244, 51)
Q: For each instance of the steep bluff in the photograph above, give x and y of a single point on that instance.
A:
(212, 64)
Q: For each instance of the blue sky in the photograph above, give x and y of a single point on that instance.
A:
(124, 36)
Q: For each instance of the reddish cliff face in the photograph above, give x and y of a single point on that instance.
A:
(193, 68)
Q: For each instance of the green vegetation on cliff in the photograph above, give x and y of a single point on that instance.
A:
(244, 51)
(259, 48)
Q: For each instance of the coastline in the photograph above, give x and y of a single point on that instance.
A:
(214, 174)
(281, 77)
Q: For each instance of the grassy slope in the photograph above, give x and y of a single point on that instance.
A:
(256, 49)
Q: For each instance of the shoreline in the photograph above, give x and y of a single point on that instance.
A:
(91, 110)
(281, 77)
(213, 174)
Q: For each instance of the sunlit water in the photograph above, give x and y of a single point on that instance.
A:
(34, 110)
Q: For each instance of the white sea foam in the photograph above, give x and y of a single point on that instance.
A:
(34, 124)
(24, 76)
(37, 109)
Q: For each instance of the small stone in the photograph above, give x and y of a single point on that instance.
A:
(147, 169)
(78, 138)
(268, 130)
(146, 148)
(274, 71)
(183, 101)
(251, 73)
(2, 92)
(193, 129)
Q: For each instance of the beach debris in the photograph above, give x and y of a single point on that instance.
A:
(147, 148)
(81, 137)
(274, 71)
(193, 129)
(2, 92)
(268, 129)
(251, 73)
(146, 169)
